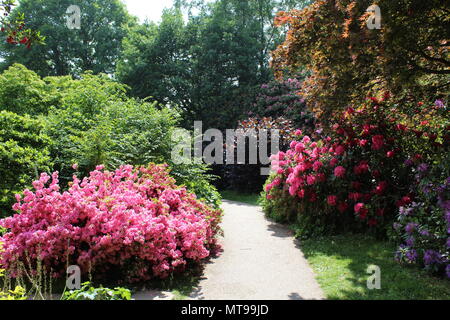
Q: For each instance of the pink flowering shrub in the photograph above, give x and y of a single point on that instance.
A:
(356, 178)
(133, 221)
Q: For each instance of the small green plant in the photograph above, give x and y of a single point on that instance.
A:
(17, 294)
(88, 292)
(205, 192)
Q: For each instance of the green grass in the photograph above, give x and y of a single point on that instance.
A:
(341, 263)
(251, 199)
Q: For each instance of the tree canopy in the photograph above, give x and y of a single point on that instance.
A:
(207, 66)
(408, 56)
(95, 46)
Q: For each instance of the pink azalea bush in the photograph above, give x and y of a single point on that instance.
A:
(133, 220)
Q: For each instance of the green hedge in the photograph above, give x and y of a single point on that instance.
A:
(24, 152)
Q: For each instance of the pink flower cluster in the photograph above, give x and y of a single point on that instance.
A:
(134, 219)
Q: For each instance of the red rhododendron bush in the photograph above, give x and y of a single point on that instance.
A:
(357, 178)
(133, 221)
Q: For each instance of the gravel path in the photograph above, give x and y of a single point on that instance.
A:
(261, 261)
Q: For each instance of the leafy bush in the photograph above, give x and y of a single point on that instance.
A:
(14, 27)
(96, 123)
(22, 91)
(134, 223)
(17, 294)
(23, 153)
(74, 125)
(122, 133)
(205, 192)
(356, 180)
(423, 227)
(276, 105)
(87, 292)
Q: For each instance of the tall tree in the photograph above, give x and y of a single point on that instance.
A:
(94, 46)
(346, 60)
(155, 60)
(208, 66)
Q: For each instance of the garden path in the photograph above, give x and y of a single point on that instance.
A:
(261, 261)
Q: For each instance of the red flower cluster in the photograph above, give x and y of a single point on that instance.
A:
(359, 170)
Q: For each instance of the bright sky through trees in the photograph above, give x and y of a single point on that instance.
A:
(150, 9)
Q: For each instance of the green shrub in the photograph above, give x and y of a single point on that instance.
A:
(22, 91)
(88, 292)
(204, 191)
(96, 123)
(23, 154)
(283, 208)
(89, 121)
(17, 294)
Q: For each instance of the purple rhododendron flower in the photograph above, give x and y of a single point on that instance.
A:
(442, 188)
(410, 241)
(406, 211)
(424, 233)
(422, 168)
(410, 227)
(411, 255)
(445, 205)
(409, 162)
(432, 257)
(439, 103)
(428, 188)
